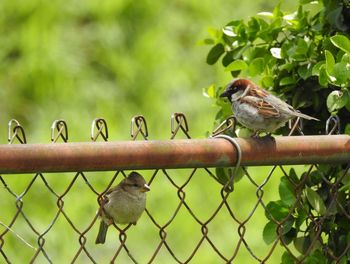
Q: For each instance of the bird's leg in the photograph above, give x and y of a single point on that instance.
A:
(109, 220)
(255, 134)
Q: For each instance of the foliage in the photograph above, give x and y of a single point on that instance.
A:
(304, 57)
(309, 207)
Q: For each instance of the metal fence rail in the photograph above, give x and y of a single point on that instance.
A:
(185, 153)
(218, 232)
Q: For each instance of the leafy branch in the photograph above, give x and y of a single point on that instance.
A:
(304, 58)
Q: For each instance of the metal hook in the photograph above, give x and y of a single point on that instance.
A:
(138, 122)
(61, 126)
(181, 123)
(102, 130)
(298, 124)
(228, 187)
(336, 126)
(225, 125)
(16, 129)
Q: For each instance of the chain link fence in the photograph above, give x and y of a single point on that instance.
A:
(189, 217)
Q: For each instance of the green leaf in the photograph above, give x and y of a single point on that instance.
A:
(317, 257)
(238, 52)
(236, 65)
(290, 17)
(300, 217)
(346, 178)
(302, 244)
(243, 132)
(287, 81)
(223, 174)
(315, 178)
(347, 129)
(287, 225)
(256, 67)
(315, 200)
(304, 2)
(293, 176)
(317, 67)
(207, 41)
(215, 33)
(288, 66)
(305, 71)
(227, 59)
(325, 168)
(347, 106)
(329, 62)
(288, 237)
(323, 78)
(302, 47)
(277, 210)
(210, 91)
(346, 58)
(286, 192)
(287, 258)
(265, 14)
(341, 73)
(277, 11)
(297, 51)
(267, 81)
(270, 232)
(337, 100)
(341, 42)
(215, 53)
(228, 31)
(253, 28)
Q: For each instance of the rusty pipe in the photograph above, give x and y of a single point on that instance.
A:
(187, 153)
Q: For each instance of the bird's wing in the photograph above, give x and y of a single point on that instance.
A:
(105, 197)
(265, 109)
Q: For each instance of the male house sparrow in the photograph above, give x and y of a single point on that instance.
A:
(122, 204)
(257, 109)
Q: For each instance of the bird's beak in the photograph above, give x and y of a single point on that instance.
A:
(224, 94)
(145, 188)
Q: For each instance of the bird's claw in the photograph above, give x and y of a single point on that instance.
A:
(255, 134)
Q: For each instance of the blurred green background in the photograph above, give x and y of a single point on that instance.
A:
(78, 60)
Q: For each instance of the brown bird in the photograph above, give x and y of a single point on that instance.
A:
(122, 204)
(257, 109)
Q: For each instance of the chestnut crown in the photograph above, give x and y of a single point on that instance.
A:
(235, 86)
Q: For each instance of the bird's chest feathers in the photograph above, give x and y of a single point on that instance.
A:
(126, 207)
(249, 116)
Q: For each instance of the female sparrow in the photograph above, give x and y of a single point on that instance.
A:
(257, 109)
(122, 204)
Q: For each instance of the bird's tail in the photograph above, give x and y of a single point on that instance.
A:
(305, 116)
(102, 232)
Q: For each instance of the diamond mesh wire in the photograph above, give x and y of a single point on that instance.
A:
(189, 217)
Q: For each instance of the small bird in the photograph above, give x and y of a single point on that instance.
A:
(257, 109)
(122, 204)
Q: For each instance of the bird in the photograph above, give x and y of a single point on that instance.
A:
(122, 204)
(257, 109)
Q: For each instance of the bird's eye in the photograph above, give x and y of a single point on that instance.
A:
(135, 185)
